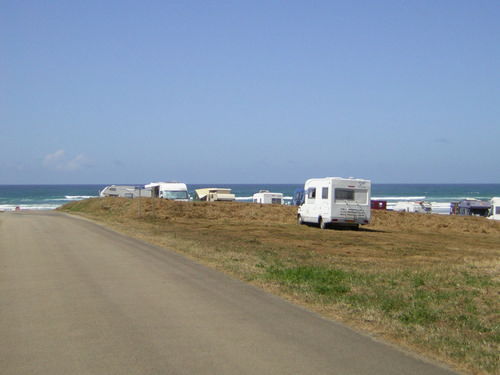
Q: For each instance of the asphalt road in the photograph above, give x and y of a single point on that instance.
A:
(77, 298)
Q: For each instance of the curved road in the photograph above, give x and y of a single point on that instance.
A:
(77, 298)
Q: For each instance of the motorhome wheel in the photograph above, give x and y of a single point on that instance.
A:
(322, 223)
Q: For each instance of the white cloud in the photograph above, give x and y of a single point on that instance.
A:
(54, 159)
(60, 162)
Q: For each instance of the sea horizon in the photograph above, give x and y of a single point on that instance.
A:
(440, 195)
(244, 183)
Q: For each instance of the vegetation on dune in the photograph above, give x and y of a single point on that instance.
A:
(428, 282)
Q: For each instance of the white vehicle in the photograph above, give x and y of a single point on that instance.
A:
(266, 197)
(417, 206)
(495, 209)
(214, 194)
(125, 191)
(336, 201)
(176, 191)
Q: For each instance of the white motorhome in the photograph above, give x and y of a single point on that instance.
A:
(495, 209)
(266, 197)
(176, 191)
(336, 201)
(125, 191)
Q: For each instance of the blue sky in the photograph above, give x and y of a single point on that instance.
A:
(249, 91)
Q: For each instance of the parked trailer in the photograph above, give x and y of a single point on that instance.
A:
(125, 191)
(266, 197)
(214, 194)
(410, 206)
(336, 201)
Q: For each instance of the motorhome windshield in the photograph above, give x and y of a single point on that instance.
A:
(175, 194)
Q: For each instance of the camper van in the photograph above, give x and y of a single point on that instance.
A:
(266, 197)
(176, 191)
(495, 209)
(125, 191)
(338, 201)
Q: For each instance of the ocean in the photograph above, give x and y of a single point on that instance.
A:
(49, 197)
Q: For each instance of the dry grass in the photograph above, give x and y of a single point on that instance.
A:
(430, 283)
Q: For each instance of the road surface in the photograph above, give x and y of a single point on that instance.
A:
(77, 298)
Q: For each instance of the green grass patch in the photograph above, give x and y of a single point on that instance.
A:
(419, 301)
(328, 282)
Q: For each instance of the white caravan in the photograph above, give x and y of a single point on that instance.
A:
(266, 197)
(336, 201)
(495, 209)
(417, 206)
(125, 191)
(214, 194)
(176, 191)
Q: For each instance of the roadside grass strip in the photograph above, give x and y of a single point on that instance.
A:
(446, 309)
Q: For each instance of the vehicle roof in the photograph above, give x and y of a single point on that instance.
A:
(168, 184)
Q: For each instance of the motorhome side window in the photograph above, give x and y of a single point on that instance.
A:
(311, 193)
(344, 195)
(324, 193)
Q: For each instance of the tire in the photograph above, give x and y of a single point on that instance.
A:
(299, 220)
(322, 223)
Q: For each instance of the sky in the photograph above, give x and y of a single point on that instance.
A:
(263, 91)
